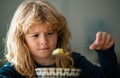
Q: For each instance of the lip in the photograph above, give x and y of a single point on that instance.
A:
(43, 49)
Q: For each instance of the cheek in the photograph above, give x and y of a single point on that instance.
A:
(29, 43)
(54, 42)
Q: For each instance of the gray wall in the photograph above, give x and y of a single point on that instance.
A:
(7, 8)
(85, 18)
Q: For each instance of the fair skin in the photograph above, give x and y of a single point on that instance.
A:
(102, 42)
(41, 42)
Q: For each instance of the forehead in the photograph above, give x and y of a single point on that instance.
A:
(41, 27)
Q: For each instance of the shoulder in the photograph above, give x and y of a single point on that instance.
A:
(77, 56)
(88, 69)
(8, 71)
(79, 60)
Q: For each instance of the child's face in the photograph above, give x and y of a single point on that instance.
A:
(41, 42)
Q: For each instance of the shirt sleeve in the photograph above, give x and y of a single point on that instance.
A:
(88, 69)
(8, 71)
(108, 62)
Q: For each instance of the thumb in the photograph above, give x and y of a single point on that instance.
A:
(93, 46)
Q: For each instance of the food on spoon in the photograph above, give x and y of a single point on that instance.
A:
(57, 51)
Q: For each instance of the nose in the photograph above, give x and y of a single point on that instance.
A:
(43, 40)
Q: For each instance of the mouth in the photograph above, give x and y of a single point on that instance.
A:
(43, 48)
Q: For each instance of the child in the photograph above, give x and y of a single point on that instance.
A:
(37, 29)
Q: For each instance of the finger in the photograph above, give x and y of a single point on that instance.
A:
(112, 42)
(93, 46)
(103, 40)
(97, 41)
(101, 37)
(109, 44)
(108, 39)
(98, 38)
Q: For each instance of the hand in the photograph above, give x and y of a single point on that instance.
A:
(103, 41)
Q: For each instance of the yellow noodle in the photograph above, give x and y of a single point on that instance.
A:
(64, 61)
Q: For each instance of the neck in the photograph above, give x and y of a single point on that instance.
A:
(46, 61)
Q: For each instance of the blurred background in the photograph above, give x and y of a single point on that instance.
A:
(84, 17)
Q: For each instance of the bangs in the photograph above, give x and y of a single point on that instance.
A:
(45, 26)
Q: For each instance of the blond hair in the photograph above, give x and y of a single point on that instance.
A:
(27, 14)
